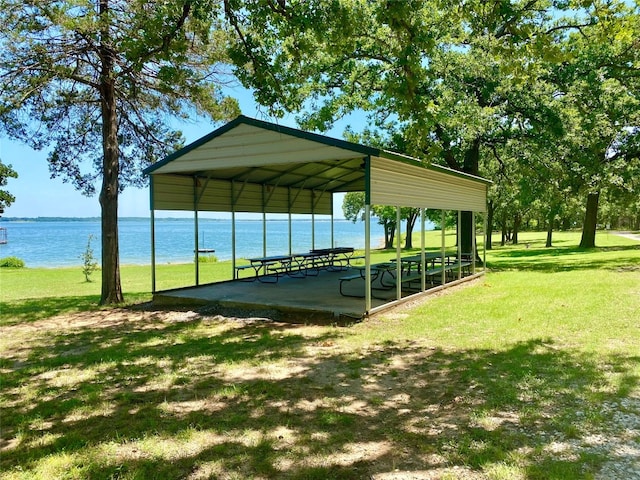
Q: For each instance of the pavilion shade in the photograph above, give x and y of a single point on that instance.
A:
(251, 146)
(253, 166)
(176, 192)
(402, 184)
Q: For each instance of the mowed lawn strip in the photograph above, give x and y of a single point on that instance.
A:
(531, 372)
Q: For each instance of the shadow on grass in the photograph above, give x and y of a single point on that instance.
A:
(208, 399)
(564, 258)
(30, 310)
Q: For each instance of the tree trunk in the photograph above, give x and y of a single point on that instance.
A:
(389, 234)
(517, 221)
(551, 218)
(590, 221)
(411, 222)
(490, 212)
(111, 287)
(471, 166)
(466, 233)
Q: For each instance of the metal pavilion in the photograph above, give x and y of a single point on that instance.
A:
(249, 165)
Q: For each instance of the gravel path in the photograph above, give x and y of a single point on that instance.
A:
(620, 443)
(632, 236)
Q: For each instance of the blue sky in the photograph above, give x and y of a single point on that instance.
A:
(38, 195)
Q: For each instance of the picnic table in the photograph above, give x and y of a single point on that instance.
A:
(446, 268)
(378, 273)
(335, 258)
(268, 269)
(429, 258)
(261, 266)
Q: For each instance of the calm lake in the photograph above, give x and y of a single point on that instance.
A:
(60, 242)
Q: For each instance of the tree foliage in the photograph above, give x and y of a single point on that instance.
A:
(600, 104)
(353, 207)
(6, 199)
(96, 83)
(447, 79)
(160, 58)
(464, 84)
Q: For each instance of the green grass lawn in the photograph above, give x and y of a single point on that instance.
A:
(530, 373)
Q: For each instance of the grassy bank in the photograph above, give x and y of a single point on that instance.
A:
(530, 373)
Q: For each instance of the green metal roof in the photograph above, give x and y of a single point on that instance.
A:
(272, 165)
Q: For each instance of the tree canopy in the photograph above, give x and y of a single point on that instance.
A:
(97, 83)
(6, 199)
(462, 84)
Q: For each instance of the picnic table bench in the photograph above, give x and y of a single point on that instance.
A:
(268, 269)
(261, 267)
(432, 273)
(378, 272)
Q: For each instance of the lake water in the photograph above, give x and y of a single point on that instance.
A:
(61, 242)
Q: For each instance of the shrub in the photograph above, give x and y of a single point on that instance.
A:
(89, 264)
(11, 262)
(207, 259)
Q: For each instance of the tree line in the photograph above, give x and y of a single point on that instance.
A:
(540, 96)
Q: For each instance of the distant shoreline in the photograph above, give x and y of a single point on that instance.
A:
(159, 219)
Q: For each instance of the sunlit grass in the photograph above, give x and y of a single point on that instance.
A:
(509, 377)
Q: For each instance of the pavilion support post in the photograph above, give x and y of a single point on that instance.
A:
(153, 251)
(423, 269)
(233, 231)
(473, 244)
(459, 236)
(367, 234)
(484, 244)
(195, 230)
(333, 232)
(333, 238)
(442, 248)
(264, 222)
(233, 245)
(367, 257)
(290, 225)
(313, 231)
(264, 234)
(196, 247)
(398, 254)
(290, 235)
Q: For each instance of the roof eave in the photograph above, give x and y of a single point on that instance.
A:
(241, 119)
(431, 166)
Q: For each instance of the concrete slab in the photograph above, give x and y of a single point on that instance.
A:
(307, 299)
